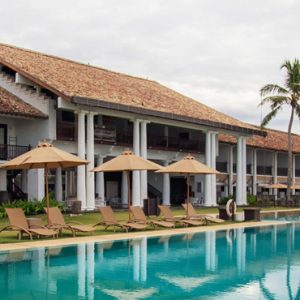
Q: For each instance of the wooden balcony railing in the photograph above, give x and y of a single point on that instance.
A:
(264, 170)
(282, 171)
(67, 131)
(8, 152)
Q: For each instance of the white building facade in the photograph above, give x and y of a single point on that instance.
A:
(99, 130)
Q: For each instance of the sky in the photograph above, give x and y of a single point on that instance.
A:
(218, 52)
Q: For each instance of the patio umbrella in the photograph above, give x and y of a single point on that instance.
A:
(127, 162)
(188, 165)
(44, 156)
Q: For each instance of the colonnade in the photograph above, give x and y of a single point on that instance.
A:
(88, 185)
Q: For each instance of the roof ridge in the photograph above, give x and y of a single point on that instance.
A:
(273, 129)
(75, 62)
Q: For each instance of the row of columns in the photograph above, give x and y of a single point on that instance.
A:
(87, 179)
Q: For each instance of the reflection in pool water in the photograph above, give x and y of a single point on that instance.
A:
(250, 263)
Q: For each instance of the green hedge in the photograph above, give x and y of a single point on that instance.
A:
(30, 207)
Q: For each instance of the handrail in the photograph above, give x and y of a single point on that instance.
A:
(8, 151)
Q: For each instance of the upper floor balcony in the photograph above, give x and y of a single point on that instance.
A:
(8, 152)
(67, 131)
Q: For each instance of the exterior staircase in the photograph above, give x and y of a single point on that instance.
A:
(38, 100)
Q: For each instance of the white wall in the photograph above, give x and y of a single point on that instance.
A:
(33, 131)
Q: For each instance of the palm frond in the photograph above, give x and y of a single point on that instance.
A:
(269, 116)
(273, 89)
(292, 79)
(297, 110)
(275, 100)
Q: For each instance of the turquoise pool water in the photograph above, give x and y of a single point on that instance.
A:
(251, 263)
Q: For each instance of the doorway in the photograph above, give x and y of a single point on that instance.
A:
(3, 141)
(178, 190)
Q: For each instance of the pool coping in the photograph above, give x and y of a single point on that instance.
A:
(132, 235)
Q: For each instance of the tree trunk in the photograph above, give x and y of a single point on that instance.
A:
(290, 156)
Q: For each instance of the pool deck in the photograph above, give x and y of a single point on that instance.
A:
(132, 235)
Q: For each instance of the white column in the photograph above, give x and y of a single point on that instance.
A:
(244, 171)
(275, 172)
(213, 165)
(58, 185)
(230, 170)
(124, 194)
(81, 183)
(136, 194)
(36, 184)
(3, 180)
(90, 176)
(207, 197)
(67, 183)
(100, 187)
(294, 173)
(166, 187)
(144, 180)
(254, 173)
(24, 181)
(239, 171)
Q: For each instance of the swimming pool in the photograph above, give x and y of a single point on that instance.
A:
(249, 263)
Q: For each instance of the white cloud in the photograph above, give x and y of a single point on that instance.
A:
(219, 52)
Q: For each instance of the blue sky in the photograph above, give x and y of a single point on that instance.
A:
(218, 52)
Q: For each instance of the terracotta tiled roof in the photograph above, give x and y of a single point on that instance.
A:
(275, 140)
(12, 105)
(71, 79)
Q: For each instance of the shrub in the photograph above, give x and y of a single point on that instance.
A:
(30, 207)
(251, 199)
(224, 200)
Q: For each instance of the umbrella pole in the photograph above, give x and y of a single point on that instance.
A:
(129, 194)
(47, 194)
(187, 195)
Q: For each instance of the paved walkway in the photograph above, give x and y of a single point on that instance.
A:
(131, 235)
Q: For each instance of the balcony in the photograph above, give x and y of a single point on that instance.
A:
(282, 171)
(264, 170)
(67, 131)
(8, 152)
(221, 167)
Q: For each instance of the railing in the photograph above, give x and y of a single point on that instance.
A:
(282, 171)
(67, 131)
(221, 167)
(264, 170)
(8, 152)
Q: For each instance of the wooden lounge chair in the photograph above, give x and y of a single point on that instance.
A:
(18, 222)
(140, 218)
(57, 221)
(109, 219)
(168, 216)
(192, 214)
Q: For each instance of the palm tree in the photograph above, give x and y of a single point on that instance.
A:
(278, 96)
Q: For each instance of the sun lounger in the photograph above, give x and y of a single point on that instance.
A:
(18, 222)
(168, 216)
(109, 219)
(140, 218)
(192, 214)
(57, 221)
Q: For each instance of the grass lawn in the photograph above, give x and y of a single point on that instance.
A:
(92, 218)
